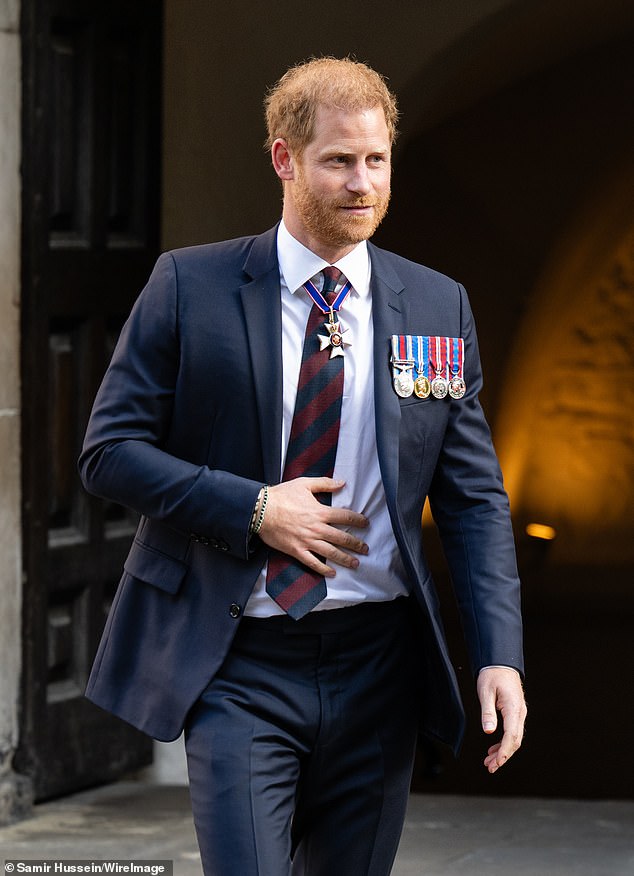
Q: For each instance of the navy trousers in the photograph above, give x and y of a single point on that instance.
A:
(300, 750)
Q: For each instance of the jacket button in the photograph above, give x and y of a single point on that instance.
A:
(235, 610)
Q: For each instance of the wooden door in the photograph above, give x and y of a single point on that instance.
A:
(90, 235)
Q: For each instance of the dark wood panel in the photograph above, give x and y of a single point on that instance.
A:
(125, 176)
(90, 236)
(62, 417)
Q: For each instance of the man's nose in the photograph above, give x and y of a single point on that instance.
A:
(360, 180)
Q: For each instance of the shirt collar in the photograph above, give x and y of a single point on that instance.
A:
(298, 263)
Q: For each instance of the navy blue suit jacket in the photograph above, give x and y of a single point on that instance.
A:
(186, 428)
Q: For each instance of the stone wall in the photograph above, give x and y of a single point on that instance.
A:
(13, 790)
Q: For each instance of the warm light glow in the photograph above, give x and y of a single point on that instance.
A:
(564, 440)
(540, 530)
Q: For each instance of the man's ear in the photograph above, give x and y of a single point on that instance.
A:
(283, 162)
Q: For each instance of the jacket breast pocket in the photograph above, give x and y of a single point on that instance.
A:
(422, 425)
(412, 440)
(415, 401)
(155, 567)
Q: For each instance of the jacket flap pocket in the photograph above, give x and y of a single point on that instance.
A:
(154, 567)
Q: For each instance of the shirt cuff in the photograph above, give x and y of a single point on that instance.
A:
(499, 666)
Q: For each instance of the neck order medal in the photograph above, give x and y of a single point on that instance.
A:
(334, 338)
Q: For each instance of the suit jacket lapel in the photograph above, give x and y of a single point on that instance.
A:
(263, 316)
(389, 315)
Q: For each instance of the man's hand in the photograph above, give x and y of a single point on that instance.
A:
(500, 690)
(299, 525)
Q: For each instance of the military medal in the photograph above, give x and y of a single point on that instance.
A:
(402, 365)
(457, 386)
(422, 386)
(439, 387)
(440, 384)
(403, 381)
(334, 339)
(439, 356)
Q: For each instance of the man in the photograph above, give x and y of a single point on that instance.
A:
(278, 425)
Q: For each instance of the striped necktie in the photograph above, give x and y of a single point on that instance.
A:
(311, 450)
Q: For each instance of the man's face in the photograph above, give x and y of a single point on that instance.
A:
(340, 186)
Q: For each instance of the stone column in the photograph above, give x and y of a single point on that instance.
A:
(14, 790)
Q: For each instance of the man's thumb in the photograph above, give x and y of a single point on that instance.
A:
(489, 719)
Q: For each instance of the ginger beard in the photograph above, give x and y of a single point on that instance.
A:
(327, 219)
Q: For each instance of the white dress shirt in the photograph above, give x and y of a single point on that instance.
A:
(380, 575)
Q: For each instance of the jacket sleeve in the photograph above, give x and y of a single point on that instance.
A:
(471, 509)
(124, 457)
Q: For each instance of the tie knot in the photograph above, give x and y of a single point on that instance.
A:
(331, 278)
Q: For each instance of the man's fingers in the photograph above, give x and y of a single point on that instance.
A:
(502, 751)
(346, 517)
(335, 516)
(315, 564)
(325, 553)
(318, 535)
(513, 732)
(339, 538)
(494, 759)
(323, 485)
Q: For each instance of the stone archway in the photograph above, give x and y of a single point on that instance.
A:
(565, 432)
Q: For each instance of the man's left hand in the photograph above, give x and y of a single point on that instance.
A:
(500, 690)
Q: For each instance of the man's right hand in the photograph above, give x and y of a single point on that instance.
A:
(298, 524)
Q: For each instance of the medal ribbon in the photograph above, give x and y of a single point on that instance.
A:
(436, 362)
(421, 354)
(434, 356)
(402, 349)
(416, 339)
(457, 357)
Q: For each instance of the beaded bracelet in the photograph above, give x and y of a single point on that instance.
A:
(254, 513)
(256, 522)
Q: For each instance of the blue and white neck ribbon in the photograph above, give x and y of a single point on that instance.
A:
(321, 302)
(335, 338)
